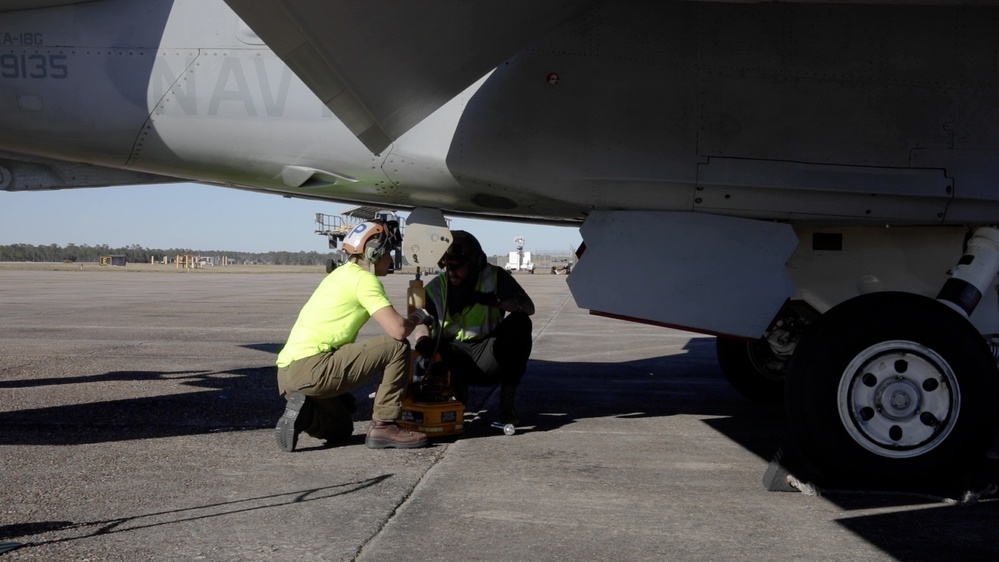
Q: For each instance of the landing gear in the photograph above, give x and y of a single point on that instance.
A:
(753, 369)
(758, 368)
(892, 389)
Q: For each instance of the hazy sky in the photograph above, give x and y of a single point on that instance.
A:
(202, 217)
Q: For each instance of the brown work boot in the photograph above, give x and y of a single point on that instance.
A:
(384, 435)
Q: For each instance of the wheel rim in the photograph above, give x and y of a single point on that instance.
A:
(898, 399)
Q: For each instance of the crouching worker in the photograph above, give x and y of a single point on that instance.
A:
(321, 363)
(485, 333)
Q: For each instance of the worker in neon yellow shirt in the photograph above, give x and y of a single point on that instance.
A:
(321, 363)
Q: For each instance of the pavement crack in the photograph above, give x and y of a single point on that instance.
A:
(437, 456)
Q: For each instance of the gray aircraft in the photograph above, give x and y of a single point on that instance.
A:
(811, 182)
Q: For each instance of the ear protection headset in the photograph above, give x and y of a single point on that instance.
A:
(371, 239)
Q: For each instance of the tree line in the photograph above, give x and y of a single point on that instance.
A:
(137, 254)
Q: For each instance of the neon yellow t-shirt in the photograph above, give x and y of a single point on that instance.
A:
(334, 314)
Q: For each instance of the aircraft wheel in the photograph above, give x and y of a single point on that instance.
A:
(752, 368)
(330, 265)
(892, 389)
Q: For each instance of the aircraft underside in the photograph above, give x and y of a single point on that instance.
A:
(813, 183)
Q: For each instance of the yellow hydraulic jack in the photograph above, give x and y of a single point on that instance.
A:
(430, 406)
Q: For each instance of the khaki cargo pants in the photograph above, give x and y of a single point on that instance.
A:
(326, 376)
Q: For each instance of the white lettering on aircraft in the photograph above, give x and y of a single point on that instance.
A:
(33, 65)
(238, 86)
(22, 39)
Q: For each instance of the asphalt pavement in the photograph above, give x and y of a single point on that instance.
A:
(137, 415)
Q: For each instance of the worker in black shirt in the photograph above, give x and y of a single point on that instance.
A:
(484, 331)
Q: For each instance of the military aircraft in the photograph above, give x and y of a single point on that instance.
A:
(812, 182)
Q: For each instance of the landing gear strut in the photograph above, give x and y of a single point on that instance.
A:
(753, 369)
(758, 368)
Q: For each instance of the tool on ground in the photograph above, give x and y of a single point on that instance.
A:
(430, 406)
(508, 428)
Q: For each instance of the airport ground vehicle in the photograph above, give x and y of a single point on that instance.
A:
(519, 261)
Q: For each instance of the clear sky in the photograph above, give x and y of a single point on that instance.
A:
(202, 217)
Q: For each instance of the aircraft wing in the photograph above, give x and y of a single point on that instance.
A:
(383, 66)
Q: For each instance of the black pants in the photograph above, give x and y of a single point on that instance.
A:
(501, 358)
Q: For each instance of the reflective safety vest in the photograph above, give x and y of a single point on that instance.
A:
(474, 322)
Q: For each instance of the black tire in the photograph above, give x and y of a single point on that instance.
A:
(752, 369)
(330, 265)
(892, 390)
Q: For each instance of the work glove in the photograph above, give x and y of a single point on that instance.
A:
(421, 316)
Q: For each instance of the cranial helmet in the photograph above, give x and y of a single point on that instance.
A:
(372, 239)
(465, 250)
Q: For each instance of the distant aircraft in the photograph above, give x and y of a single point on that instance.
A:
(814, 183)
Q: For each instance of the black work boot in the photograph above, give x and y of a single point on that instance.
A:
(507, 410)
(385, 435)
(296, 415)
(337, 426)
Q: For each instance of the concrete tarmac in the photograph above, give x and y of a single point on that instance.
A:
(137, 417)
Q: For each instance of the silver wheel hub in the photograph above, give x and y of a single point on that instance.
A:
(898, 399)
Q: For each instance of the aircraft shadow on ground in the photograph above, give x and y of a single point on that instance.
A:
(689, 383)
(556, 394)
(247, 399)
(939, 526)
(235, 400)
(935, 532)
(553, 395)
(232, 400)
